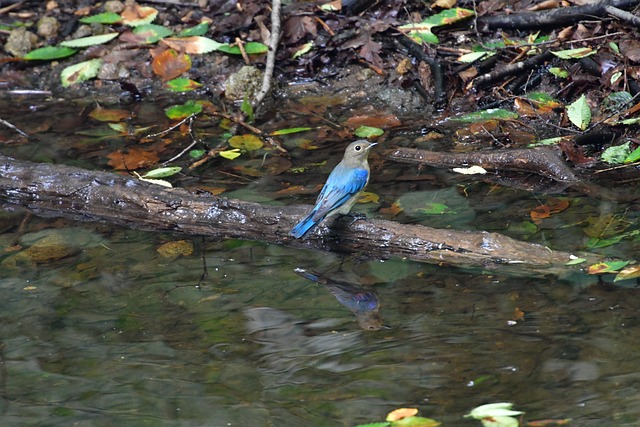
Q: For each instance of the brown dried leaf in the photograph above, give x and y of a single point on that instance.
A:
(134, 159)
(170, 64)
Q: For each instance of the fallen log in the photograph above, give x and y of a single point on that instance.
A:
(62, 191)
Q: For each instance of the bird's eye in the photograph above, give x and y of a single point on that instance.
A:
(357, 148)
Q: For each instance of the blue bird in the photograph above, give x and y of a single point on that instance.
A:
(340, 192)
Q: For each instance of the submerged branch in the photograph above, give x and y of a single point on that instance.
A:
(63, 191)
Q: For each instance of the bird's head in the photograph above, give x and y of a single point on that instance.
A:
(358, 150)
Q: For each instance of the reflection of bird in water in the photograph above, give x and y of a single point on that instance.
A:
(362, 302)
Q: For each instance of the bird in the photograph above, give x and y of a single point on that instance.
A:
(340, 192)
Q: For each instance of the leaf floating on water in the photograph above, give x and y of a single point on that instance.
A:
(176, 249)
(628, 273)
(179, 112)
(484, 115)
(289, 131)
(134, 158)
(554, 206)
(110, 115)
(247, 142)
(401, 413)
(230, 154)
(162, 172)
(368, 197)
(607, 267)
(473, 170)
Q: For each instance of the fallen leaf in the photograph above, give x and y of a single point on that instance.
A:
(401, 413)
(109, 115)
(367, 197)
(170, 64)
(554, 206)
(176, 249)
(134, 15)
(134, 158)
(393, 210)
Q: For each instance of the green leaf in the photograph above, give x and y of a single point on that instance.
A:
(581, 52)
(179, 112)
(475, 56)
(196, 154)
(182, 84)
(247, 142)
(198, 30)
(579, 113)
(576, 261)
(303, 49)
(415, 422)
(90, 41)
(247, 109)
(289, 130)
(368, 132)
(422, 31)
(617, 154)
(614, 266)
(48, 53)
(614, 47)
(617, 100)
(102, 18)
(502, 409)
(595, 242)
(162, 172)
(80, 72)
(559, 72)
(549, 141)
(434, 208)
(250, 48)
(230, 154)
(542, 98)
(484, 115)
(152, 32)
(634, 156)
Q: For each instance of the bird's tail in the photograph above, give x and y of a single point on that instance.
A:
(303, 227)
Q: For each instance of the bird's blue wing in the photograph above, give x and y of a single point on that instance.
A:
(341, 185)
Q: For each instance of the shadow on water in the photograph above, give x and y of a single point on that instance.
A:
(113, 331)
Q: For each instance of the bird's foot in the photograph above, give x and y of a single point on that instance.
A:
(353, 217)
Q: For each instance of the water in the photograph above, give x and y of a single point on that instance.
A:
(115, 334)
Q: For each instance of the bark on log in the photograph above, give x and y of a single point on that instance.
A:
(553, 17)
(63, 191)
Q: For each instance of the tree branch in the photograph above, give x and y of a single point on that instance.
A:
(63, 191)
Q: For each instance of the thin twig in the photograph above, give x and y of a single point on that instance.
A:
(194, 141)
(9, 125)
(271, 55)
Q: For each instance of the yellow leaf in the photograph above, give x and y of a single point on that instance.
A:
(247, 142)
(367, 197)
